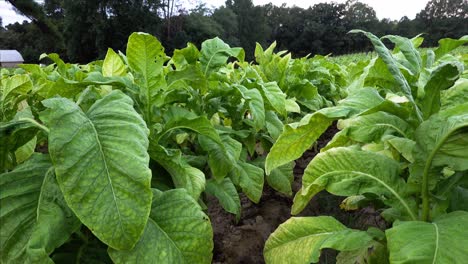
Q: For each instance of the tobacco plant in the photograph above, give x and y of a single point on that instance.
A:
(109, 161)
(94, 128)
(402, 147)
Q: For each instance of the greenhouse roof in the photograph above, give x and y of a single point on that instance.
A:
(10, 56)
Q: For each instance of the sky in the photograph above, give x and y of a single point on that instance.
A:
(393, 9)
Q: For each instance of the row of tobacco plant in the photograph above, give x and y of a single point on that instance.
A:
(112, 160)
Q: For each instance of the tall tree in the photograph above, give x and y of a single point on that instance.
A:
(359, 16)
(92, 26)
(34, 11)
(444, 18)
(227, 19)
(252, 24)
(326, 24)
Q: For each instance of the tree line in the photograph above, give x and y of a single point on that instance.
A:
(82, 30)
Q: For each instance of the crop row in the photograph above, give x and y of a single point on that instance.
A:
(120, 152)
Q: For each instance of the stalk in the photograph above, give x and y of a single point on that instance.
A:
(425, 195)
(35, 123)
(425, 181)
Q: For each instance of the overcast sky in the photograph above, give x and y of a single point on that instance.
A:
(393, 9)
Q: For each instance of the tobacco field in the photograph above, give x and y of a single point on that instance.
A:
(204, 157)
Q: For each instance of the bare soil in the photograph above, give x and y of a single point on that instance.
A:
(243, 242)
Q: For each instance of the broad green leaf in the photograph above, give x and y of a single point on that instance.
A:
(300, 240)
(25, 151)
(405, 45)
(387, 57)
(183, 175)
(101, 161)
(441, 78)
(19, 135)
(96, 78)
(200, 125)
(15, 85)
(176, 113)
(187, 55)
(35, 218)
(178, 231)
(430, 58)
(261, 56)
(281, 178)
(442, 241)
(380, 76)
(274, 96)
(273, 67)
(304, 90)
(61, 66)
(215, 53)
(273, 124)
(346, 172)
(359, 81)
(221, 157)
(392, 66)
(55, 221)
(227, 195)
(113, 65)
(61, 87)
(13, 135)
(340, 139)
(404, 146)
(441, 141)
(446, 45)
(457, 94)
(292, 106)
(417, 40)
(459, 199)
(450, 193)
(146, 58)
(12, 91)
(250, 180)
(354, 202)
(370, 128)
(191, 74)
(364, 101)
(296, 138)
(256, 106)
(374, 253)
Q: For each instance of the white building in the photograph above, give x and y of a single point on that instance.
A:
(10, 58)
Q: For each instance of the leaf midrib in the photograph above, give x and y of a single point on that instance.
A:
(304, 237)
(103, 156)
(295, 142)
(402, 201)
(226, 50)
(399, 131)
(436, 250)
(168, 237)
(428, 163)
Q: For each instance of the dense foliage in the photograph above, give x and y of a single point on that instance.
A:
(81, 31)
(119, 152)
(401, 148)
(111, 161)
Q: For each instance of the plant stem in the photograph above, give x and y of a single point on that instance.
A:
(418, 111)
(35, 123)
(425, 195)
